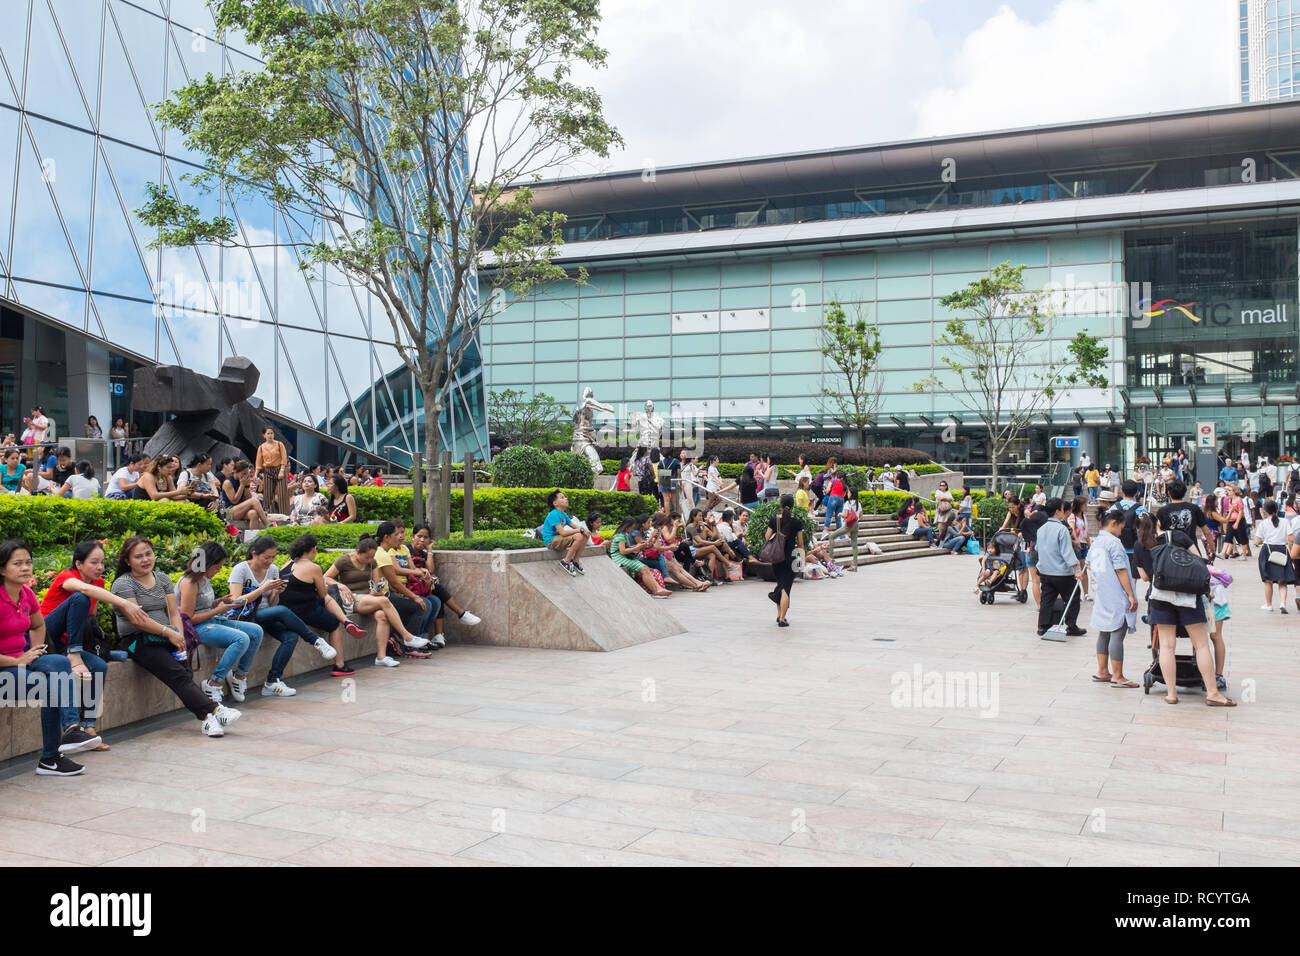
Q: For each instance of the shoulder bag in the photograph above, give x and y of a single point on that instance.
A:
(773, 550)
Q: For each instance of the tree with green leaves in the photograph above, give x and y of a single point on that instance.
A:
(397, 137)
(1000, 357)
(523, 420)
(853, 346)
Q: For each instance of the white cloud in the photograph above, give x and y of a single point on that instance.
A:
(1089, 59)
(690, 82)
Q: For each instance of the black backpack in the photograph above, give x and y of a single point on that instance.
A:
(1179, 570)
(1128, 535)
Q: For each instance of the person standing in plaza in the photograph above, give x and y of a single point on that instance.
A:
(1059, 572)
(1273, 537)
(787, 525)
(1115, 605)
(1092, 478)
(117, 438)
(271, 465)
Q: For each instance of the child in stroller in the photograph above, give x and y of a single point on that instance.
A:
(1001, 561)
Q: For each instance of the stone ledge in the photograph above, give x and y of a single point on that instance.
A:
(525, 599)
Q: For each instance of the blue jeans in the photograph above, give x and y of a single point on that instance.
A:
(51, 676)
(241, 639)
(954, 542)
(660, 562)
(65, 624)
(1092, 493)
(68, 620)
(286, 627)
(834, 505)
(927, 533)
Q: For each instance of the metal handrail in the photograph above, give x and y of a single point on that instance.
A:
(696, 484)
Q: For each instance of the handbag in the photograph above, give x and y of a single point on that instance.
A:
(191, 641)
(773, 550)
(1177, 569)
(94, 641)
(1280, 558)
(850, 518)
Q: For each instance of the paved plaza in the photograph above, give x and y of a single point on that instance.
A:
(735, 743)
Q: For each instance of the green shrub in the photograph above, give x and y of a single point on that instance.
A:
(499, 509)
(383, 504)
(328, 536)
(43, 521)
(757, 530)
(522, 466)
(503, 540)
(571, 470)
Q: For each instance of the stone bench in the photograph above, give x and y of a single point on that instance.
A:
(524, 598)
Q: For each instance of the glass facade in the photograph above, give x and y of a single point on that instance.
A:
(737, 342)
(78, 143)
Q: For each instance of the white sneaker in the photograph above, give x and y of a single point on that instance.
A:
(227, 715)
(213, 691)
(238, 687)
(439, 640)
(1266, 607)
(469, 620)
(326, 651)
(277, 689)
(416, 643)
(385, 662)
(212, 726)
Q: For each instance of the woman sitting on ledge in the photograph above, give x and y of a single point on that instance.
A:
(355, 573)
(342, 505)
(306, 595)
(69, 612)
(155, 644)
(237, 641)
(158, 483)
(623, 553)
(421, 538)
(237, 499)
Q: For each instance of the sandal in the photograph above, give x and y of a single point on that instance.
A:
(1127, 683)
(1101, 680)
(1171, 701)
(94, 733)
(1226, 702)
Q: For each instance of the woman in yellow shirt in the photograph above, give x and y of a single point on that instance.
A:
(1092, 478)
(801, 495)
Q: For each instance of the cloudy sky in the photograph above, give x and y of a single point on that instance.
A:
(695, 80)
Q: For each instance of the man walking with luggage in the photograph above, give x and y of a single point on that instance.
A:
(1059, 571)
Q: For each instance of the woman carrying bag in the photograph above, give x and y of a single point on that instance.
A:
(1273, 538)
(784, 534)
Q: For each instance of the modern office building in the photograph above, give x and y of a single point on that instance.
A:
(84, 302)
(1269, 41)
(1172, 237)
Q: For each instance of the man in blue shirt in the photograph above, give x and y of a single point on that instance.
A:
(1128, 534)
(1058, 572)
(559, 535)
(1228, 472)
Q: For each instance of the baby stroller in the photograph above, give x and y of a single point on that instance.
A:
(1009, 559)
(1187, 673)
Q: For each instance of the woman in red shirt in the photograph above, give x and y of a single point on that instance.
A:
(22, 654)
(68, 606)
(624, 480)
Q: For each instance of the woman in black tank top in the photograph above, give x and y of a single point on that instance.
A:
(306, 595)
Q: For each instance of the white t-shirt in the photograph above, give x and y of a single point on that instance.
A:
(83, 487)
(1265, 532)
(725, 531)
(122, 474)
(715, 479)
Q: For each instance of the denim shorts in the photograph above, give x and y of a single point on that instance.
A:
(1031, 559)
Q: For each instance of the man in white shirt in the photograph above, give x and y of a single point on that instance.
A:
(1085, 461)
(125, 478)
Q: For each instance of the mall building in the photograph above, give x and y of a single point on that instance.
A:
(84, 302)
(1172, 237)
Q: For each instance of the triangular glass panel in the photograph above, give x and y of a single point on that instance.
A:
(52, 88)
(124, 115)
(305, 356)
(207, 204)
(117, 266)
(255, 340)
(288, 400)
(195, 335)
(133, 169)
(9, 123)
(13, 51)
(41, 250)
(345, 305)
(192, 57)
(349, 414)
(67, 161)
(128, 324)
(184, 283)
(192, 15)
(80, 23)
(301, 296)
(64, 305)
(166, 352)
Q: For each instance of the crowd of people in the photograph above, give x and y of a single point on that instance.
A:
(54, 646)
(261, 493)
(1253, 505)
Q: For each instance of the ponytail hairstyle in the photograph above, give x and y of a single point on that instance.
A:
(1146, 531)
(1270, 509)
(787, 511)
(300, 547)
(206, 556)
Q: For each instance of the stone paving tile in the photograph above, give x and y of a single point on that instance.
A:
(758, 747)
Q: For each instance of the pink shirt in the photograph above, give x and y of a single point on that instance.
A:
(16, 621)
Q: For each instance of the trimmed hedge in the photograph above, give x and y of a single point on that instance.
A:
(503, 540)
(45, 522)
(571, 470)
(522, 466)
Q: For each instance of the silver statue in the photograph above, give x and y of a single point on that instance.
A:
(649, 427)
(584, 429)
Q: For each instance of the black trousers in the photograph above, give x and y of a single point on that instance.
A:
(157, 660)
(1053, 585)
